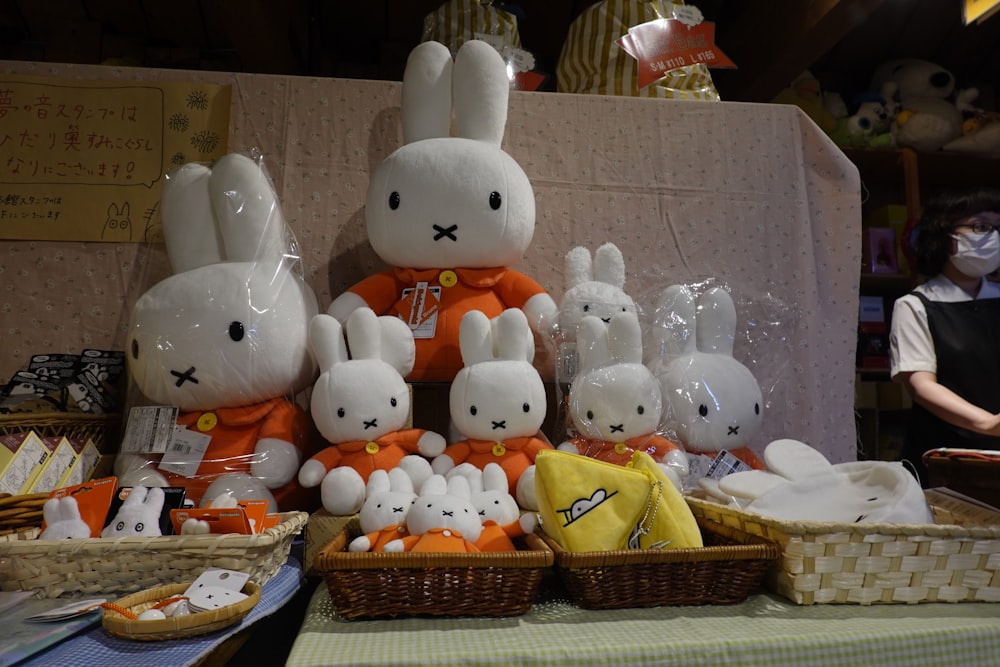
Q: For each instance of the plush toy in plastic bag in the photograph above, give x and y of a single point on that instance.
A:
(615, 401)
(223, 339)
(449, 214)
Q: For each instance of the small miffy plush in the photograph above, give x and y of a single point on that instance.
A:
(449, 215)
(224, 339)
(361, 404)
(498, 510)
(712, 401)
(62, 520)
(594, 286)
(497, 402)
(441, 519)
(139, 514)
(388, 498)
(615, 402)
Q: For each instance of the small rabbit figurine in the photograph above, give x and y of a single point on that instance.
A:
(139, 514)
(498, 510)
(62, 520)
(224, 340)
(388, 498)
(712, 401)
(449, 215)
(497, 402)
(361, 404)
(615, 402)
(442, 519)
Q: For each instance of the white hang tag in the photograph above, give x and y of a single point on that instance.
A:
(185, 452)
(149, 429)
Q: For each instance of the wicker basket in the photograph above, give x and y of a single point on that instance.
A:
(178, 627)
(18, 513)
(375, 585)
(730, 565)
(116, 566)
(956, 559)
(102, 429)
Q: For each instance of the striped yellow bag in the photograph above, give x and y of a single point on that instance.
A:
(591, 61)
(457, 21)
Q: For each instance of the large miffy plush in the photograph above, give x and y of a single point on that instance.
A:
(497, 402)
(449, 214)
(224, 339)
(615, 402)
(361, 404)
(712, 402)
(388, 498)
(441, 519)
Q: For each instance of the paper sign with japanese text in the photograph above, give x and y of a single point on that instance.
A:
(85, 160)
(667, 44)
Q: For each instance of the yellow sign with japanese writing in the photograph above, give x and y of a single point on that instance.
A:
(85, 160)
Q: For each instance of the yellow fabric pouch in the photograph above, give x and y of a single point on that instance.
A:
(590, 505)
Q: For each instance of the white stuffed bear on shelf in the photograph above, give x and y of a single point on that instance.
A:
(497, 402)
(615, 402)
(224, 340)
(449, 214)
(712, 402)
(361, 404)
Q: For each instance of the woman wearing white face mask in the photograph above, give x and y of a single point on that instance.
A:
(945, 337)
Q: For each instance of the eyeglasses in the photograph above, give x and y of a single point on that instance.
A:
(979, 226)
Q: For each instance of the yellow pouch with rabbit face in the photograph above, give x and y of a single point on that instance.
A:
(590, 505)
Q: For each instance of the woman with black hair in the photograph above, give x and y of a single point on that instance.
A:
(945, 336)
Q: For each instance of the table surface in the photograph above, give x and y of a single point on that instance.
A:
(764, 630)
(97, 647)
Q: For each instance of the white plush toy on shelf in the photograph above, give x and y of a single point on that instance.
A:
(224, 340)
(502, 519)
(388, 498)
(497, 402)
(139, 514)
(441, 519)
(449, 215)
(361, 405)
(712, 402)
(615, 402)
(63, 520)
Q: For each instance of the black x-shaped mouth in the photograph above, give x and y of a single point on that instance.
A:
(606, 320)
(186, 376)
(447, 513)
(443, 232)
(371, 424)
(734, 430)
(618, 428)
(500, 424)
(396, 510)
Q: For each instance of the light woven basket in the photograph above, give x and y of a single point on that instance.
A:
(178, 627)
(18, 513)
(956, 559)
(116, 566)
(102, 429)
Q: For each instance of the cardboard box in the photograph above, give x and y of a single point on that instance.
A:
(878, 254)
(22, 456)
(895, 217)
(61, 456)
(84, 463)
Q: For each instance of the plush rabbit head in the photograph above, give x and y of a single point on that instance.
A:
(139, 514)
(228, 328)
(361, 396)
(62, 520)
(712, 401)
(388, 498)
(445, 504)
(614, 396)
(594, 286)
(499, 393)
(441, 201)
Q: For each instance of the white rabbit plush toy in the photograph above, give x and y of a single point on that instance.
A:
(497, 402)
(441, 519)
(361, 405)
(224, 340)
(63, 520)
(712, 402)
(594, 286)
(615, 402)
(139, 514)
(388, 498)
(449, 214)
(498, 510)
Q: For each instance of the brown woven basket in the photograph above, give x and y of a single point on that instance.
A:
(102, 429)
(18, 513)
(199, 623)
(730, 565)
(375, 585)
(116, 566)
(956, 559)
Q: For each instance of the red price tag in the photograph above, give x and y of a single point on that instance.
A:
(667, 44)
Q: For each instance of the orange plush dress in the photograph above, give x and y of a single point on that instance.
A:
(620, 452)
(515, 455)
(366, 456)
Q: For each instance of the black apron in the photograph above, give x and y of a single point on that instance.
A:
(966, 336)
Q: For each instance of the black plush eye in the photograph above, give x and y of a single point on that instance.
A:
(139, 526)
(495, 200)
(394, 201)
(526, 407)
(590, 414)
(756, 408)
(340, 412)
(703, 410)
(586, 308)
(135, 349)
(120, 526)
(236, 331)
(641, 410)
(472, 410)
(392, 401)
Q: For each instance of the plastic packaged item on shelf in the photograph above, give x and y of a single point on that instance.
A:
(217, 351)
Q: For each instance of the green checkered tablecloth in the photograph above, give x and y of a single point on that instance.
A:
(764, 630)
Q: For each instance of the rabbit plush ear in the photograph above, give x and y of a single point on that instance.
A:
(494, 478)
(247, 210)
(189, 231)
(387, 338)
(592, 343)
(625, 339)
(426, 101)
(609, 265)
(716, 322)
(436, 485)
(326, 341)
(672, 333)
(475, 338)
(399, 481)
(481, 90)
(458, 485)
(378, 482)
(579, 267)
(513, 337)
